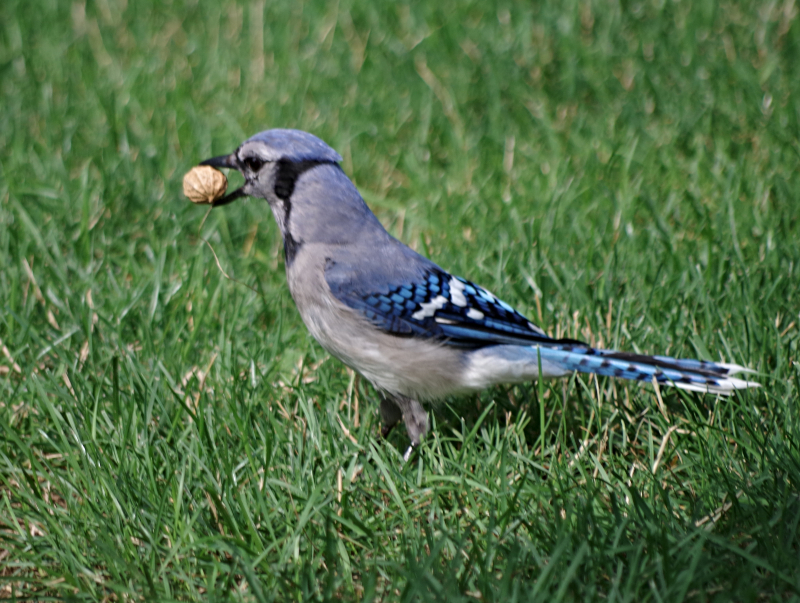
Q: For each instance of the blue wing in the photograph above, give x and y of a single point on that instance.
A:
(438, 305)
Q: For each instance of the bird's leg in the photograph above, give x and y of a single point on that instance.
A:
(414, 416)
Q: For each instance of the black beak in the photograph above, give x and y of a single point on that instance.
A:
(226, 161)
(223, 161)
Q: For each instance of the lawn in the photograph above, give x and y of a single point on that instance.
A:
(625, 173)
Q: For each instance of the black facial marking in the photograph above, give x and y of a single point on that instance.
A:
(290, 247)
(287, 174)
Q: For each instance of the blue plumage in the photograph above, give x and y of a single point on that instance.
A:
(444, 307)
(688, 374)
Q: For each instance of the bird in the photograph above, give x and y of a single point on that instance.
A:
(415, 331)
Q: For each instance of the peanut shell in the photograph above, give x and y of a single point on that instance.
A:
(204, 184)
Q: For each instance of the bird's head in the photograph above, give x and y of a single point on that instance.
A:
(271, 162)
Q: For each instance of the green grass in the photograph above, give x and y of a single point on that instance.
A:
(625, 173)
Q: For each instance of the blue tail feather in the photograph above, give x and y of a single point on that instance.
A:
(695, 375)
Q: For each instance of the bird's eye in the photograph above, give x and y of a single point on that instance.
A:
(253, 164)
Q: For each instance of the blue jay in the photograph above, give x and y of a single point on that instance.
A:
(416, 332)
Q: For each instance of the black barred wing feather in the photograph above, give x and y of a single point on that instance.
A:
(444, 307)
